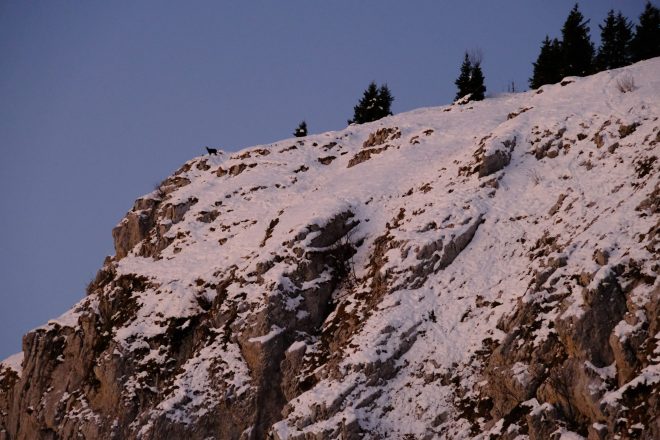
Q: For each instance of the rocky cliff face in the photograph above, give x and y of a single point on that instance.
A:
(487, 270)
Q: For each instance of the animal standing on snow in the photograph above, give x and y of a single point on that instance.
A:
(212, 151)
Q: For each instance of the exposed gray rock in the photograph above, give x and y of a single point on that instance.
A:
(498, 159)
(587, 336)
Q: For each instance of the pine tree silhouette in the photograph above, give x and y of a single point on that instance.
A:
(375, 104)
(385, 100)
(301, 131)
(477, 87)
(547, 68)
(471, 78)
(615, 37)
(463, 80)
(646, 43)
(576, 47)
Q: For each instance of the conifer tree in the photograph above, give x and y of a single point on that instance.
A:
(301, 131)
(576, 47)
(463, 80)
(375, 104)
(547, 68)
(615, 37)
(471, 78)
(477, 87)
(624, 39)
(385, 100)
(646, 43)
(362, 112)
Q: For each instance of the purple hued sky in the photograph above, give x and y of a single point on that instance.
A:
(99, 101)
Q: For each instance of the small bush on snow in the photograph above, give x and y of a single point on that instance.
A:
(626, 83)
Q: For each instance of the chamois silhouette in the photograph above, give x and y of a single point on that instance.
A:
(212, 151)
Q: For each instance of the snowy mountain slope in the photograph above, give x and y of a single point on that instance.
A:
(483, 270)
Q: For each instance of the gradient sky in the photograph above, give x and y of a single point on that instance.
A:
(99, 101)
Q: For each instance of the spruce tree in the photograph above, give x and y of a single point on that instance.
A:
(385, 100)
(470, 81)
(547, 68)
(646, 43)
(615, 37)
(375, 104)
(476, 85)
(463, 80)
(576, 47)
(363, 111)
(624, 40)
(301, 131)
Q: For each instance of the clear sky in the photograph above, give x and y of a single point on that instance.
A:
(100, 100)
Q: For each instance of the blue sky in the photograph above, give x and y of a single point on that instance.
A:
(99, 101)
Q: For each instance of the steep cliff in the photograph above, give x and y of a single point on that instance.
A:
(487, 270)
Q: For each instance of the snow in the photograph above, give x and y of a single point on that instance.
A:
(13, 362)
(505, 277)
(564, 434)
(521, 373)
(298, 345)
(649, 375)
(624, 329)
(274, 331)
(536, 407)
(66, 319)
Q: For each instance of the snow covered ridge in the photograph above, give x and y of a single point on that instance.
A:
(486, 270)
